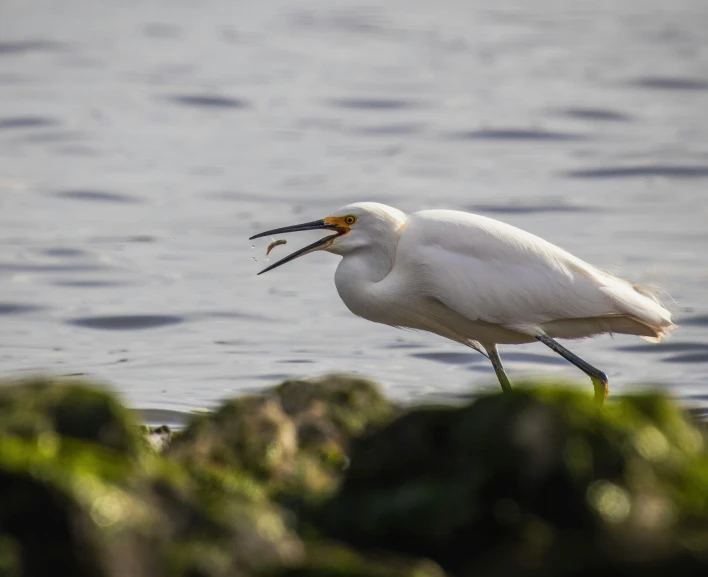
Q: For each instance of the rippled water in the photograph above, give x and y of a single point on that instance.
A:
(142, 143)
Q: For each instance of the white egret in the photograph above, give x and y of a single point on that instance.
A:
(477, 281)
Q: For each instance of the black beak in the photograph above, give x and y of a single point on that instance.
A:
(314, 225)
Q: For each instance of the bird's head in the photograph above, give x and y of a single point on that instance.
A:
(355, 226)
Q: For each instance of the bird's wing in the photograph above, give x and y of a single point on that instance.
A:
(490, 271)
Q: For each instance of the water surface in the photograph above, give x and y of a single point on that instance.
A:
(141, 144)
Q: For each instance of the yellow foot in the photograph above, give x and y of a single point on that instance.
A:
(602, 388)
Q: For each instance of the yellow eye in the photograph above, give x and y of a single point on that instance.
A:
(349, 219)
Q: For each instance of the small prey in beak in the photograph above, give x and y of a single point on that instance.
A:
(317, 245)
(275, 243)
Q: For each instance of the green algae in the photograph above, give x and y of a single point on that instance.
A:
(327, 477)
(540, 475)
(293, 439)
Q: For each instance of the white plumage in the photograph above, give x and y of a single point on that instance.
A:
(477, 281)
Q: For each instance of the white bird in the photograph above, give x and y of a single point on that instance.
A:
(477, 281)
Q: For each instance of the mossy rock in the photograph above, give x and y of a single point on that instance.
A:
(72, 509)
(351, 405)
(80, 494)
(158, 438)
(336, 560)
(250, 433)
(70, 408)
(67, 506)
(294, 438)
(329, 413)
(539, 480)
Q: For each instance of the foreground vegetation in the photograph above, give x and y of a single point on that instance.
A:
(330, 478)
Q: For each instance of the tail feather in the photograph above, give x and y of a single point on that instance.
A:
(642, 304)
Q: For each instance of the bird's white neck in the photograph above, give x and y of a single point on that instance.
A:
(358, 275)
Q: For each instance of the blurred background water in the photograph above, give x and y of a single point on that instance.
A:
(142, 143)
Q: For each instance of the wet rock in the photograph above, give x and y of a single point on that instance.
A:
(295, 438)
(57, 509)
(533, 482)
(328, 478)
(250, 433)
(351, 405)
(69, 408)
(158, 438)
(329, 413)
(81, 493)
(335, 560)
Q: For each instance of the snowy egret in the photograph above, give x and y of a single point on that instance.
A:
(477, 281)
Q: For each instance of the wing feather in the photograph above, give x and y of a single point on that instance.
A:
(490, 271)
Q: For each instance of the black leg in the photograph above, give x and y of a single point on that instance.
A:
(498, 368)
(599, 379)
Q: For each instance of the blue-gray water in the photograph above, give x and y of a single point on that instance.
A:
(141, 143)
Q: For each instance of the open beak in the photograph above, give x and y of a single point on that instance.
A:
(317, 245)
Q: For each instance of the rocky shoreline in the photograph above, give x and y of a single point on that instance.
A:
(330, 478)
